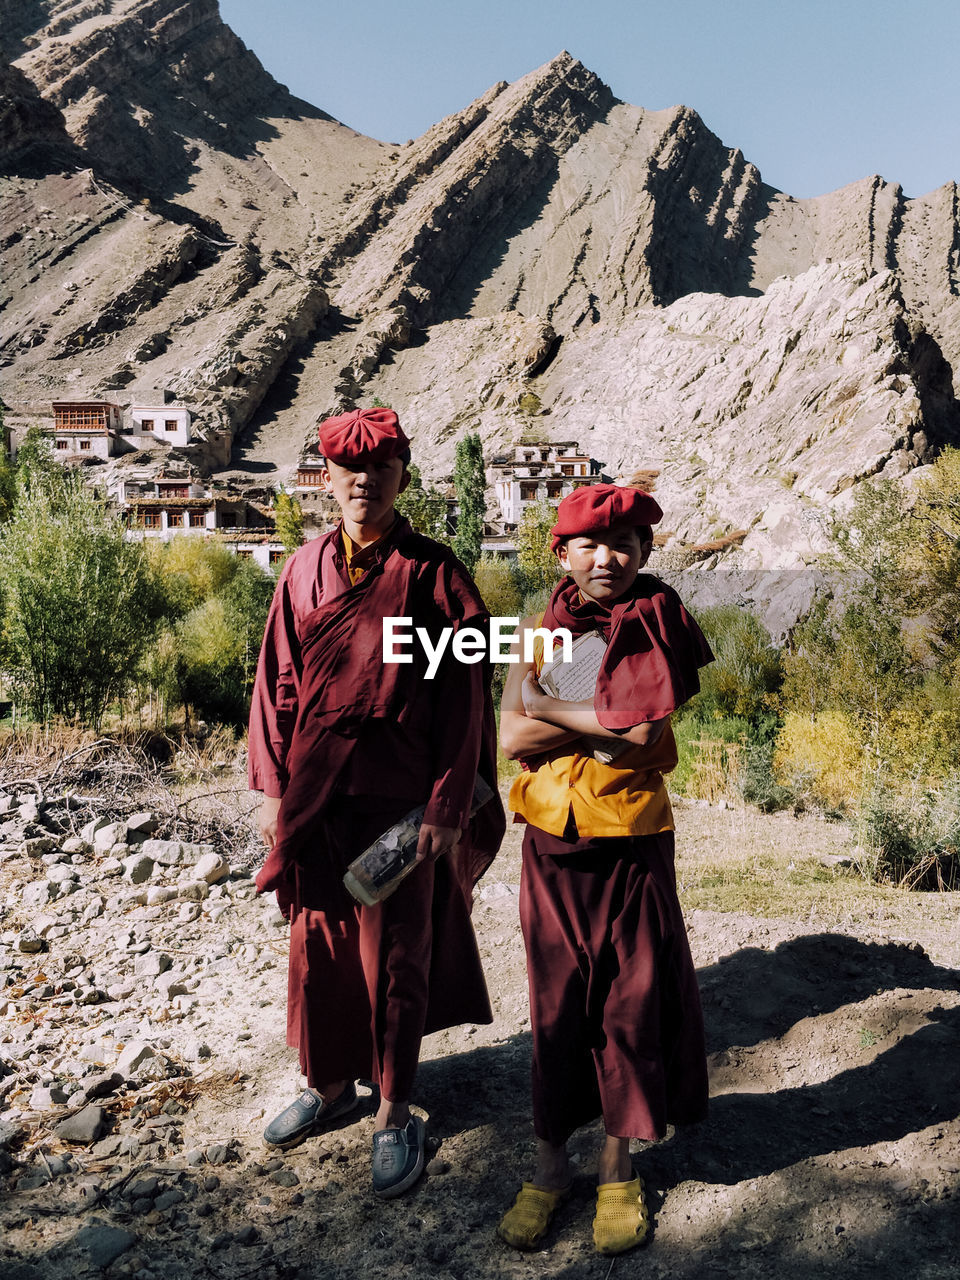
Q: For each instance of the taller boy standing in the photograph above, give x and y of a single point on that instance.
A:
(342, 746)
(614, 1006)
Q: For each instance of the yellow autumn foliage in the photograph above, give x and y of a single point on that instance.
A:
(821, 755)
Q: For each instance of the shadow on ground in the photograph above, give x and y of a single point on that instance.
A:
(854, 1175)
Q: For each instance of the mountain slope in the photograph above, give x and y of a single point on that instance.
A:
(172, 217)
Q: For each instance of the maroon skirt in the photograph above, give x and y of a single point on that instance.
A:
(614, 1004)
(366, 983)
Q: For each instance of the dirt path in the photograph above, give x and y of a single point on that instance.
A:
(832, 1147)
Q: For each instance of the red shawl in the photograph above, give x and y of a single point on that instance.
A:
(654, 649)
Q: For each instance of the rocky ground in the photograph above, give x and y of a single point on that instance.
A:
(142, 1051)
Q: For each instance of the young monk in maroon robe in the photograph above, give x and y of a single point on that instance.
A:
(614, 1005)
(343, 745)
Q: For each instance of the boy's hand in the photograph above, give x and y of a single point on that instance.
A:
(434, 841)
(267, 819)
(532, 695)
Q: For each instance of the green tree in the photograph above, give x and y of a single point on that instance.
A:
(851, 653)
(469, 479)
(743, 681)
(209, 663)
(497, 581)
(8, 476)
(246, 599)
(425, 508)
(933, 558)
(537, 561)
(216, 607)
(288, 515)
(81, 602)
(189, 570)
(36, 463)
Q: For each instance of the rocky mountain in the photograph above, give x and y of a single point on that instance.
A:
(548, 260)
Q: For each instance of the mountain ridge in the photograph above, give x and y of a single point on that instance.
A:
(192, 225)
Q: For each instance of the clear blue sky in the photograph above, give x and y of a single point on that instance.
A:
(817, 93)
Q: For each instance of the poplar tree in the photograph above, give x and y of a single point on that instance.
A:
(425, 508)
(288, 515)
(470, 482)
(535, 557)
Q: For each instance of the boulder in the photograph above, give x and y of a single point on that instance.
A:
(134, 1056)
(85, 1127)
(212, 868)
(138, 868)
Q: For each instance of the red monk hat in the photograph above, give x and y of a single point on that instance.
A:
(363, 433)
(598, 506)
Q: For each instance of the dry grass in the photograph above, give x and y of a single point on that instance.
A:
(197, 789)
(781, 866)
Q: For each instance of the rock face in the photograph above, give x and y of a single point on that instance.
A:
(173, 217)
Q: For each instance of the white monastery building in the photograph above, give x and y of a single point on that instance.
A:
(86, 427)
(533, 471)
(101, 429)
(169, 423)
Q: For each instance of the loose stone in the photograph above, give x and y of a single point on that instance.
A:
(85, 1127)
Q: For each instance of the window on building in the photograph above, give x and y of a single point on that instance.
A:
(566, 470)
(197, 520)
(85, 444)
(228, 519)
(175, 519)
(244, 553)
(528, 492)
(174, 490)
(63, 444)
(151, 519)
(169, 424)
(81, 416)
(146, 424)
(276, 557)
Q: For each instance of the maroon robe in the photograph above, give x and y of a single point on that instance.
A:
(614, 1006)
(353, 744)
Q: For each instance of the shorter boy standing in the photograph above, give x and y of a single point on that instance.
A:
(614, 1006)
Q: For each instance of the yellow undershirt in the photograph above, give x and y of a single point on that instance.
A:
(358, 559)
(624, 798)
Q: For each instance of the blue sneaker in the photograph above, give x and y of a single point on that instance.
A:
(308, 1113)
(398, 1158)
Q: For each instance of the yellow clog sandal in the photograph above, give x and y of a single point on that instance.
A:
(525, 1223)
(622, 1221)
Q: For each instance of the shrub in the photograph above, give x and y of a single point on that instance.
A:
(81, 603)
(933, 555)
(190, 570)
(914, 839)
(743, 680)
(497, 582)
(758, 782)
(820, 757)
(708, 757)
(209, 663)
(539, 567)
(288, 516)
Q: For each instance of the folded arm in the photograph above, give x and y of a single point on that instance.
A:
(521, 734)
(581, 718)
